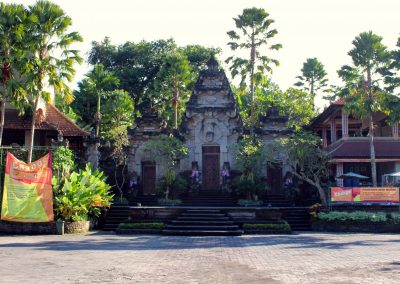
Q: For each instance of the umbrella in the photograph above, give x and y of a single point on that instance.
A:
(353, 176)
(394, 174)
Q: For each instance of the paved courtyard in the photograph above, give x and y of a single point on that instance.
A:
(107, 258)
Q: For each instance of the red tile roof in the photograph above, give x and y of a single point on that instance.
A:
(359, 148)
(54, 120)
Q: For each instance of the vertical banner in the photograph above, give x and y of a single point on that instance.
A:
(27, 193)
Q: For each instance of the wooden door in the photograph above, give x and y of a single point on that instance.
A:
(148, 178)
(274, 178)
(211, 170)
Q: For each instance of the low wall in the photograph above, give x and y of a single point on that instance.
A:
(19, 228)
(355, 228)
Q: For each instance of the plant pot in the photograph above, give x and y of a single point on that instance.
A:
(60, 227)
(77, 227)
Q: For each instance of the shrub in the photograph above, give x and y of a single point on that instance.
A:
(169, 202)
(155, 225)
(83, 193)
(178, 186)
(272, 227)
(63, 162)
(356, 217)
(246, 202)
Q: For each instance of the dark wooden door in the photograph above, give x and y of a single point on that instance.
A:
(274, 177)
(211, 161)
(148, 178)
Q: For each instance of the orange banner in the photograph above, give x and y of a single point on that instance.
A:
(27, 195)
(365, 194)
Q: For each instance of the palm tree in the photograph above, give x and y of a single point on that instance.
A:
(50, 58)
(254, 32)
(313, 77)
(100, 81)
(370, 58)
(12, 30)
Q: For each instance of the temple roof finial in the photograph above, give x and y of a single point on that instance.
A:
(212, 64)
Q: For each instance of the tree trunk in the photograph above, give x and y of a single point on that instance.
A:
(3, 112)
(32, 135)
(252, 63)
(98, 116)
(321, 191)
(371, 131)
(175, 105)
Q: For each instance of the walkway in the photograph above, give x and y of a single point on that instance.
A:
(107, 258)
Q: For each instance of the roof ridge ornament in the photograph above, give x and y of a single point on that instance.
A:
(212, 64)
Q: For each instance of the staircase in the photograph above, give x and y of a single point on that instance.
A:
(203, 222)
(276, 200)
(210, 199)
(115, 216)
(144, 200)
(298, 218)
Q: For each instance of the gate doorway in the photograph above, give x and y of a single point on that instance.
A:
(211, 167)
(274, 178)
(148, 178)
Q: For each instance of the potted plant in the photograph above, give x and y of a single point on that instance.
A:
(84, 193)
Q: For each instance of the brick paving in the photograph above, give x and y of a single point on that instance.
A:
(108, 258)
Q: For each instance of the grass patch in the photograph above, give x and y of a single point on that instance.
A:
(270, 227)
(155, 225)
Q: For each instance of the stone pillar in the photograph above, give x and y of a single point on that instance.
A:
(333, 130)
(92, 144)
(345, 125)
(395, 130)
(324, 138)
(339, 172)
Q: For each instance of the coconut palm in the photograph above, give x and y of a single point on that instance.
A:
(12, 30)
(253, 33)
(50, 58)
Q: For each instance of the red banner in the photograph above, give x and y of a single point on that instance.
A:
(365, 194)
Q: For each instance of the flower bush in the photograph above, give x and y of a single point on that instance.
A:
(358, 217)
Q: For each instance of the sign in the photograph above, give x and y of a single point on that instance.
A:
(27, 194)
(365, 194)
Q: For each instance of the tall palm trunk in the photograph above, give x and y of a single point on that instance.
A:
(175, 105)
(252, 63)
(98, 116)
(32, 136)
(371, 132)
(3, 112)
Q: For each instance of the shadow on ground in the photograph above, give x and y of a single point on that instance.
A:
(104, 241)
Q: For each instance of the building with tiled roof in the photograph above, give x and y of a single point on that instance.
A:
(17, 128)
(345, 138)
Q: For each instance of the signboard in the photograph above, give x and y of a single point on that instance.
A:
(27, 193)
(365, 194)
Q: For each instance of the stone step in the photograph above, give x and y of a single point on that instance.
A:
(203, 211)
(183, 218)
(203, 228)
(200, 214)
(200, 222)
(201, 233)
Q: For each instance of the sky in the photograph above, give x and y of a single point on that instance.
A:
(306, 28)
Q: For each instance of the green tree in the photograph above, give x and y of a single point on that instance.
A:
(167, 151)
(13, 25)
(249, 159)
(100, 82)
(313, 77)
(50, 58)
(174, 77)
(306, 160)
(253, 34)
(362, 92)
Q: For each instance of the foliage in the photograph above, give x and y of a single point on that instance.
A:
(358, 217)
(153, 225)
(173, 80)
(48, 56)
(176, 187)
(167, 151)
(307, 161)
(249, 160)
(252, 34)
(314, 210)
(313, 77)
(12, 33)
(246, 202)
(273, 226)
(83, 193)
(63, 163)
(362, 91)
(137, 66)
(169, 202)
